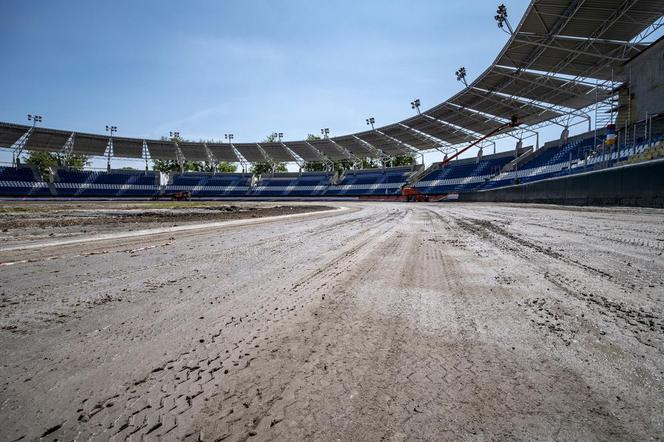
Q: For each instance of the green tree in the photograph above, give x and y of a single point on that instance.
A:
(45, 161)
(342, 165)
(165, 166)
(315, 166)
(370, 163)
(226, 167)
(263, 168)
(312, 137)
(402, 160)
(74, 161)
(337, 165)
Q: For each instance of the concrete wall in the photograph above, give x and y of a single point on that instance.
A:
(633, 185)
(645, 78)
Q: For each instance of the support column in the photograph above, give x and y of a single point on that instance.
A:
(109, 153)
(19, 145)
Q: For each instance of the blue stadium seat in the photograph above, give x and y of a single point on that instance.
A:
(303, 184)
(210, 185)
(105, 184)
(387, 181)
(22, 181)
(462, 175)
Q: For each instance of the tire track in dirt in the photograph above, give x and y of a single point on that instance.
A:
(643, 325)
(171, 392)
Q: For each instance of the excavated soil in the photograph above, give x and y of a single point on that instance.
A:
(381, 321)
(36, 220)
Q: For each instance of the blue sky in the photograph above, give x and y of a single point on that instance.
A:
(205, 68)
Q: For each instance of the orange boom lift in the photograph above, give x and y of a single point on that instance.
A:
(413, 194)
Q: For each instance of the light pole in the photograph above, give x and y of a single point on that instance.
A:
(370, 122)
(175, 136)
(230, 137)
(278, 136)
(325, 132)
(111, 130)
(501, 19)
(461, 75)
(35, 119)
(415, 104)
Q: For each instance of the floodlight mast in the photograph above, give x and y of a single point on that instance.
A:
(112, 130)
(35, 119)
(461, 75)
(370, 122)
(415, 104)
(17, 147)
(239, 156)
(501, 19)
(325, 132)
(175, 136)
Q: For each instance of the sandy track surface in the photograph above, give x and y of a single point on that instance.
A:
(386, 321)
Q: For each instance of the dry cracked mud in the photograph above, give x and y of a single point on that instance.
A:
(378, 321)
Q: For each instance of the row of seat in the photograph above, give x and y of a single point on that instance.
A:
(204, 184)
(24, 181)
(462, 175)
(351, 183)
(578, 156)
(457, 176)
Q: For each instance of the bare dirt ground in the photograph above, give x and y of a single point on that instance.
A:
(23, 222)
(383, 321)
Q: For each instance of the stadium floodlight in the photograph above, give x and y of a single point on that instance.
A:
(325, 132)
(370, 122)
(461, 75)
(229, 137)
(415, 104)
(175, 135)
(501, 19)
(35, 119)
(277, 135)
(111, 129)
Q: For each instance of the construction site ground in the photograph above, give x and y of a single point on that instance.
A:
(355, 321)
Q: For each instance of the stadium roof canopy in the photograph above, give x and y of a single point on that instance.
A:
(563, 56)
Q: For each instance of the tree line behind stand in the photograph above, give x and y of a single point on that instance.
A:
(263, 168)
(45, 161)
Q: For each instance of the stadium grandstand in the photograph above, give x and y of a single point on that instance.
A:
(573, 65)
